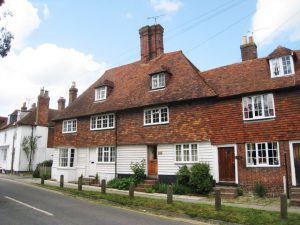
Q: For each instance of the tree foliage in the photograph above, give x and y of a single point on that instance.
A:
(29, 146)
(5, 35)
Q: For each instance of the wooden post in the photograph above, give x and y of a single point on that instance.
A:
(131, 190)
(170, 195)
(61, 182)
(80, 183)
(283, 207)
(103, 186)
(218, 199)
(42, 179)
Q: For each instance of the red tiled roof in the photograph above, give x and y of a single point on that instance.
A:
(132, 86)
(30, 118)
(280, 51)
(248, 77)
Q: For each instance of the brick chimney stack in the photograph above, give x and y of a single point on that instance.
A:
(72, 93)
(42, 111)
(248, 49)
(24, 108)
(151, 38)
(61, 103)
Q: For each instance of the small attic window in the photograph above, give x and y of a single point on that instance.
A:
(100, 93)
(158, 81)
(282, 66)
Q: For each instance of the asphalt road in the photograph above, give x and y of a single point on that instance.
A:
(27, 205)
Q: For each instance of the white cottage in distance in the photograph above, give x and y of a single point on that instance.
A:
(35, 122)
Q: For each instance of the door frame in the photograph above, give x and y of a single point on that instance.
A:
(154, 176)
(235, 161)
(293, 169)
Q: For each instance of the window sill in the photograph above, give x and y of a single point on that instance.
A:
(259, 120)
(73, 132)
(110, 128)
(66, 168)
(105, 163)
(157, 89)
(280, 76)
(182, 163)
(99, 101)
(263, 166)
(155, 124)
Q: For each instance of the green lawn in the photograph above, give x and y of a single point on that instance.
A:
(197, 211)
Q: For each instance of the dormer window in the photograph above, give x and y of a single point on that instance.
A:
(282, 66)
(158, 81)
(100, 93)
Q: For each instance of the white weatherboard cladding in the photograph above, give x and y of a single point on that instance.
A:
(166, 158)
(130, 153)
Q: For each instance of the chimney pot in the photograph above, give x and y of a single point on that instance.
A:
(248, 50)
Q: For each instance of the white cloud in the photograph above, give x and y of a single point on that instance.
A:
(166, 6)
(46, 11)
(274, 18)
(22, 75)
(25, 19)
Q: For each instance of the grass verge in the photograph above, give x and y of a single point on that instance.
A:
(197, 211)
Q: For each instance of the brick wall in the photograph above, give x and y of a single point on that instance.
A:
(188, 123)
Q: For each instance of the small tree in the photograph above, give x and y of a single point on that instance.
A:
(5, 35)
(138, 169)
(29, 146)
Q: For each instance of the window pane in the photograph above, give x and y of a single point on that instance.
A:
(186, 153)
(106, 154)
(164, 114)
(286, 63)
(63, 157)
(273, 153)
(257, 106)
(100, 154)
(155, 115)
(178, 153)
(72, 155)
(276, 66)
(262, 155)
(194, 152)
(111, 120)
(112, 154)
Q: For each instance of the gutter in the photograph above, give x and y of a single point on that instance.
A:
(116, 144)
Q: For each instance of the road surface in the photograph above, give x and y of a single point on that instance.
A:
(27, 205)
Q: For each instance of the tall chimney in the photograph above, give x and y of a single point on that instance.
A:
(72, 92)
(248, 49)
(42, 111)
(61, 103)
(151, 38)
(24, 108)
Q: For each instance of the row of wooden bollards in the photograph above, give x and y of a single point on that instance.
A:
(283, 197)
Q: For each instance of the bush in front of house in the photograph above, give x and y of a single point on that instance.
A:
(36, 172)
(138, 169)
(183, 175)
(260, 190)
(120, 183)
(201, 181)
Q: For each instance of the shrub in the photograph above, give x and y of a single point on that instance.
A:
(200, 179)
(239, 191)
(121, 184)
(36, 172)
(138, 169)
(260, 190)
(160, 188)
(183, 175)
(150, 190)
(180, 189)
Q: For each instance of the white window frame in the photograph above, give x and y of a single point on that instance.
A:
(280, 66)
(245, 100)
(101, 154)
(158, 81)
(100, 93)
(186, 148)
(97, 122)
(70, 163)
(256, 150)
(69, 126)
(155, 112)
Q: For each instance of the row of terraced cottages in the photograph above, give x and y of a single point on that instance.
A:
(242, 119)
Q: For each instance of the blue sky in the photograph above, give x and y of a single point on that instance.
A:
(60, 41)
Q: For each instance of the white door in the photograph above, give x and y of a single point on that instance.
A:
(92, 162)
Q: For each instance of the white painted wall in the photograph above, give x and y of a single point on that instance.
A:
(130, 153)
(168, 166)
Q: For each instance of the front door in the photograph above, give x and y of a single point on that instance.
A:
(226, 164)
(296, 151)
(152, 160)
